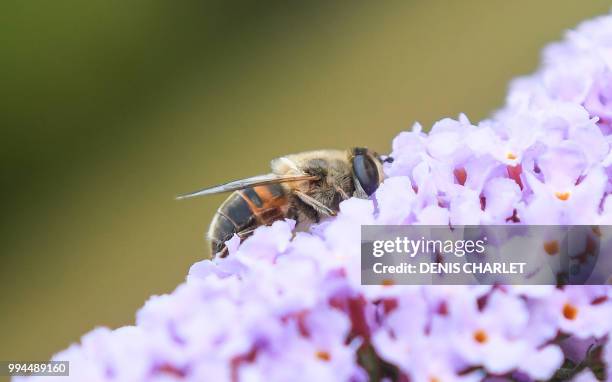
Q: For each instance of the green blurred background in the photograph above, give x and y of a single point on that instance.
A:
(111, 108)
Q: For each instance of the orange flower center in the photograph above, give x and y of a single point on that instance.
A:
(323, 355)
(481, 336)
(570, 311)
(511, 156)
(551, 247)
(434, 379)
(562, 195)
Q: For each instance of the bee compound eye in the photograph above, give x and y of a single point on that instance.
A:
(366, 173)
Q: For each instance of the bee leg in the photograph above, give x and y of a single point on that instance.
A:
(224, 252)
(242, 235)
(312, 202)
(246, 233)
(341, 192)
(302, 213)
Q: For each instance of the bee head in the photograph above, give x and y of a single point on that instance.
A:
(367, 171)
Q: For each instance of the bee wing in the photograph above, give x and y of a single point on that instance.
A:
(259, 180)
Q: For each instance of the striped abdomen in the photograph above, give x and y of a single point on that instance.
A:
(245, 210)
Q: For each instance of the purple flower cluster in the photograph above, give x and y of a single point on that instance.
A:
(287, 306)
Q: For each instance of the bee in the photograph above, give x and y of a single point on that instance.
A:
(306, 187)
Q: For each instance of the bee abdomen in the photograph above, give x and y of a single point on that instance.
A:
(244, 211)
(233, 216)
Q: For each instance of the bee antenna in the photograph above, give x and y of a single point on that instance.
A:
(387, 159)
